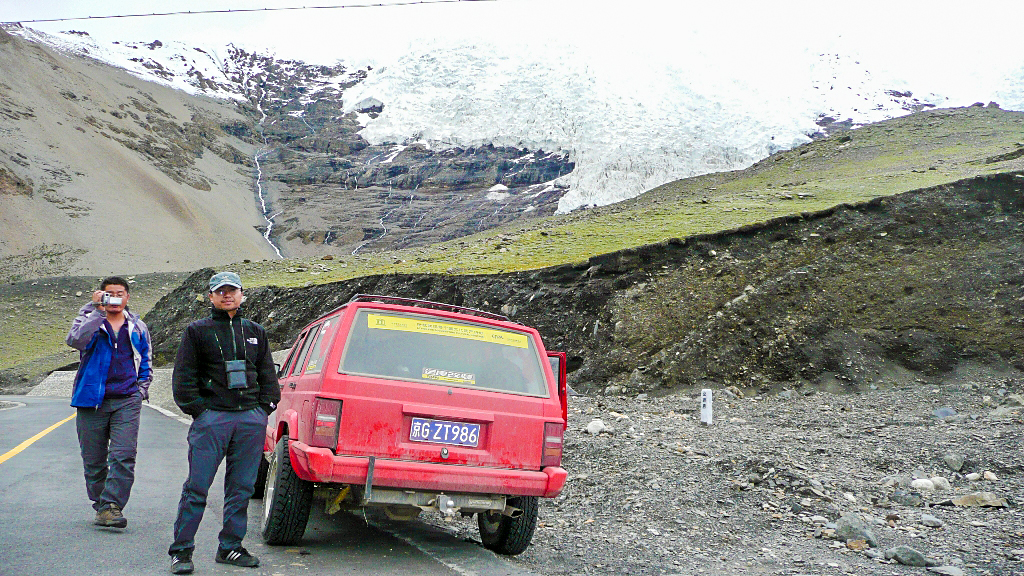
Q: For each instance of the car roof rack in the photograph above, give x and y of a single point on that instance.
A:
(427, 304)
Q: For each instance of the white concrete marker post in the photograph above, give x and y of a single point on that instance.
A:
(705, 406)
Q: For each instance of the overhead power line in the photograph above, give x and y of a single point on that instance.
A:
(240, 10)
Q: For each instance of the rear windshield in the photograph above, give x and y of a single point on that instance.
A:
(444, 352)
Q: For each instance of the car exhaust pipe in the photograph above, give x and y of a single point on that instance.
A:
(511, 511)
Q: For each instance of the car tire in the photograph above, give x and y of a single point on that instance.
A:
(506, 535)
(286, 500)
(261, 478)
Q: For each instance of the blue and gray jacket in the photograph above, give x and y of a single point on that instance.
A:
(95, 344)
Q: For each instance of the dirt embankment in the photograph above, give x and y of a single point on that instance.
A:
(884, 292)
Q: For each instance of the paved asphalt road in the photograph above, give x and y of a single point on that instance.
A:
(46, 524)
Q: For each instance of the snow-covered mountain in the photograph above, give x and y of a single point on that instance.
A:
(221, 72)
(627, 126)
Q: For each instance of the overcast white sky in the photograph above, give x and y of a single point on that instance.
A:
(946, 43)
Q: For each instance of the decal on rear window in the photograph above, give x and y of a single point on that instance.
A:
(449, 376)
(405, 324)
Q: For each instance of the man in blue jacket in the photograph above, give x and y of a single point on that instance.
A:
(112, 381)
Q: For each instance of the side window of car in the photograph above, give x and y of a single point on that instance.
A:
(315, 362)
(292, 354)
(300, 364)
(293, 358)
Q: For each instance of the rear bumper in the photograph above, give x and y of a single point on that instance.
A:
(321, 465)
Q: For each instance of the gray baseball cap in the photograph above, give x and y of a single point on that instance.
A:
(225, 279)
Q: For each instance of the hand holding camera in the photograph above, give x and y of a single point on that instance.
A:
(109, 300)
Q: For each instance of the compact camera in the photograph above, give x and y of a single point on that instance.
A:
(109, 300)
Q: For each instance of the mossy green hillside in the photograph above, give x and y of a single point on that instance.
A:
(913, 152)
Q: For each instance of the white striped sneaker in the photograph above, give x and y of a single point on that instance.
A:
(181, 562)
(237, 557)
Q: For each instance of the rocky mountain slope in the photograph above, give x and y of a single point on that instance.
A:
(331, 192)
(103, 172)
(275, 138)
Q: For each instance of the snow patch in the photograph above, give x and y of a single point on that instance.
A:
(393, 154)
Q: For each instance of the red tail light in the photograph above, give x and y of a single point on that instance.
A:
(326, 422)
(551, 454)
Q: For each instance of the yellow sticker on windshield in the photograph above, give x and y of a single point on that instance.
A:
(405, 324)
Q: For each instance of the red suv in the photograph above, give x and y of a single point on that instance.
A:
(411, 405)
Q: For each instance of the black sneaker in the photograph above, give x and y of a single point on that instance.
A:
(237, 557)
(181, 562)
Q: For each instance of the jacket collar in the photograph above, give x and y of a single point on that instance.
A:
(218, 314)
(129, 319)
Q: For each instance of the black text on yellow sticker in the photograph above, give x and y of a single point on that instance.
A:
(478, 333)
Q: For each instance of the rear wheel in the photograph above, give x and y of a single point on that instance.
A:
(506, 535)
(286, 500)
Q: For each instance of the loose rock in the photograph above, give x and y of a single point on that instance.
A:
(596, 426)
(909, 499)
(954, 461)
(906, 555)
(946, 570)
(979, 499)
(924, 485)
(853, 527)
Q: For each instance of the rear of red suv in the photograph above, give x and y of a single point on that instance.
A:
(411, 406)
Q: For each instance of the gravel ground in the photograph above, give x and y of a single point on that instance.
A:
(760, 490)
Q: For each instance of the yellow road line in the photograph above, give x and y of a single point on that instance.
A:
(14, 451)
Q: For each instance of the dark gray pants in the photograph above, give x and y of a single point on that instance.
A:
(215, 436)
(109, 439)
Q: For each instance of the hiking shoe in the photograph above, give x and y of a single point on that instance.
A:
(111, 517)
(237, 557)
(181, 562)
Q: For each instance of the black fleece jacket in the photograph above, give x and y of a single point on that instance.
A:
(200, 381)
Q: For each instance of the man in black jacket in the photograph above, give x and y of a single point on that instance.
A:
(224, 377)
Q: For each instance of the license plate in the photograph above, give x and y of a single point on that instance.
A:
(444, 432)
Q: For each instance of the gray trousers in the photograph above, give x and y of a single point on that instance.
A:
(214, 436)
(109, 439)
